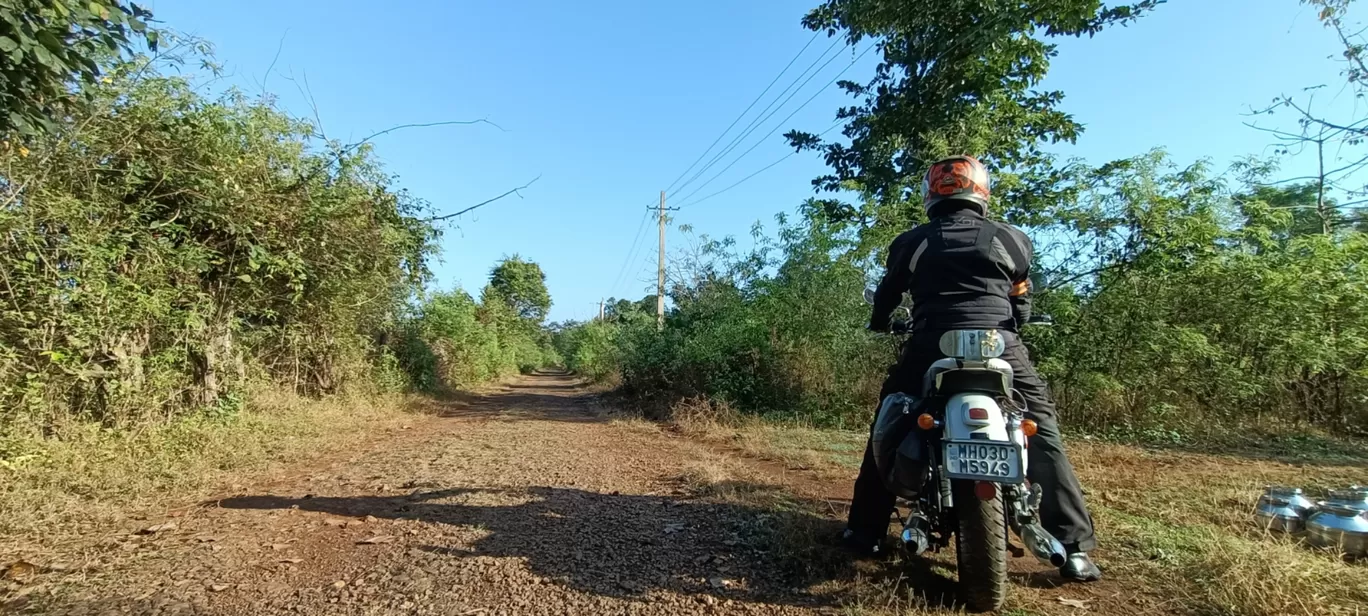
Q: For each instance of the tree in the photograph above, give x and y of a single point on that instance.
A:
(161, 231)
(619, 309)
(1307, 211)
(1337, 142)
(45, 45)
(522, 285)
(957, 76)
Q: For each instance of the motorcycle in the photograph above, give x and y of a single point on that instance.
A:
(954, 454)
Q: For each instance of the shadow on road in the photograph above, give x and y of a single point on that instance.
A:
(625, 545)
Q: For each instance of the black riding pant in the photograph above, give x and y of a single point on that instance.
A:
(1062, 510)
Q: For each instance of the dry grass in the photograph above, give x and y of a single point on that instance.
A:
(85, 477)
(792, 446)
(1183, 522)
(727, 480)
(799, 446)
(1213, 570)
(702, 416)
(801, 533)
(795, 531)
(1173, 525)
(703, 476)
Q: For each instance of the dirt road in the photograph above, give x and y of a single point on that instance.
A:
(523, 501)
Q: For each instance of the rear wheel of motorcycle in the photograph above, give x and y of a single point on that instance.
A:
(981, 548)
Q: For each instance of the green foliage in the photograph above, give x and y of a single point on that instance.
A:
(957, 77)
(454, 342)
(1183, 308)
(1186, 302)
(1216, 308)
(444, 344)
(776, 330)
(161, 247)
(46, 45)
(522, 285)
(591, 349)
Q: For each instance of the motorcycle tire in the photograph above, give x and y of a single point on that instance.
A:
(980, 548)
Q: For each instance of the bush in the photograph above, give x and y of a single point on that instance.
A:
(1230, 310)
(788, 343)
(161, 247)
(591, 349)
(1192, 310)
(452, 341)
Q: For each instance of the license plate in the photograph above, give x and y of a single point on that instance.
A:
(983, 460)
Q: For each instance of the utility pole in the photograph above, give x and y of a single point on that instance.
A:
(660, 283)
(600, 310)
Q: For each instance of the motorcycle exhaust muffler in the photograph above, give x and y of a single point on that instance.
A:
(915, 541)
(1044, 546)
(916, 535)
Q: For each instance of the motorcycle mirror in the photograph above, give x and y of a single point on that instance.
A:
(869, 296)
(1041, 319)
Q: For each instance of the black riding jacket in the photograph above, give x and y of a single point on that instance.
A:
(960, 269)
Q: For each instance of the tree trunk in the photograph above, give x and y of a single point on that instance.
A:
(214, 362)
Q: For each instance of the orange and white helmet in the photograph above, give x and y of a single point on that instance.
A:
(961, 178)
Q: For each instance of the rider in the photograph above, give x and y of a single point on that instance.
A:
(964, 271)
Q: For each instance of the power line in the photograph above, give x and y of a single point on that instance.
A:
(779, 125)
(954, 47)
(762, 170)
(739, 182)
(770, 109)
(762, 94)
(761, 117)
(636, 256)
(630, 251)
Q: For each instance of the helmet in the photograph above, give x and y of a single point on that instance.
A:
(961, 178)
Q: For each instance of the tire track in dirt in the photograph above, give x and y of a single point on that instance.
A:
(522, 501)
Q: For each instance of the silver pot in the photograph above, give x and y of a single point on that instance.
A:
(1352, 496)
(1283, 509)
(1341, 526)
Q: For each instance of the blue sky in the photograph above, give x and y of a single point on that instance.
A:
(609, 101)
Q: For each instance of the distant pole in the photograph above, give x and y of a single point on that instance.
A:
(660, 278)
(660, 274)
(600, 310)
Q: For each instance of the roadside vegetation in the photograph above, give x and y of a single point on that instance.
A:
(1211, 320)
(1182, 541)
(195, 282)
(1193, 302)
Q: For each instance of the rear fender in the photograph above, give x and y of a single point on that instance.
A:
(960, 425)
